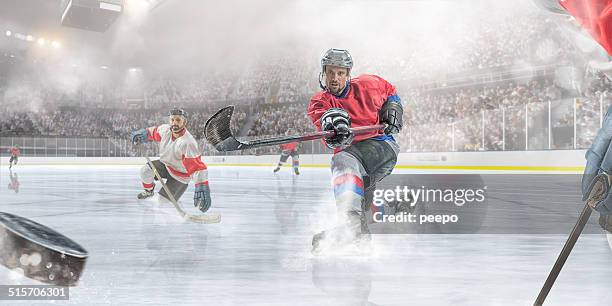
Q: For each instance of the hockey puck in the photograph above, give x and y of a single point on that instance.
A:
(39, 252)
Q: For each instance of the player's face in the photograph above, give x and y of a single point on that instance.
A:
(177, 123)
(335, 78)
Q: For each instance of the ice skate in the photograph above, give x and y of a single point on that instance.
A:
(354, 232)
(145, 194)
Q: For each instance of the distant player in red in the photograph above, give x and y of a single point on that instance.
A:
(15, 152)
(358, 162)
(289, 149)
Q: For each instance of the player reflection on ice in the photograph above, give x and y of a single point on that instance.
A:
(166, 239)
(345, 281)
(14, 184)
(284, 209)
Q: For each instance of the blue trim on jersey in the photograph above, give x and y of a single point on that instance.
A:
(383, 137)
(344, 92)
(394, 98)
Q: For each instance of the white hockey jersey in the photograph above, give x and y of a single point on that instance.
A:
(180, 155)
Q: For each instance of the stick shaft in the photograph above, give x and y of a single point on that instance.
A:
(567, 249)
(170, 195)
(307, 137)
(184, 214)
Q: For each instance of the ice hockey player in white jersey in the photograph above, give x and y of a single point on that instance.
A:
(179, 161)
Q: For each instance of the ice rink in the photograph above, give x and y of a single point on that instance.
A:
(140, 252)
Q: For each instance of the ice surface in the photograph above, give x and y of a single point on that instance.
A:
(142, 253)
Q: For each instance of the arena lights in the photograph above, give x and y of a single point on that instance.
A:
(41, 41)
(19, 36)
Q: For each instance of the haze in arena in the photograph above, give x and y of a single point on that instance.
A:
(330, 152)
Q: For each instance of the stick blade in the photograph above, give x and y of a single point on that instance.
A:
(209, 218)
(218, 133)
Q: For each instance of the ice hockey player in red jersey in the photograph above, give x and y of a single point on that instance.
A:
(179, 161)
(15, 152)
(289, 149)
(358, 162)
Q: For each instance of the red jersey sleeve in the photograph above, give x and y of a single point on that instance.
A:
(193, 163)
(191, 159)
(153, 134)
(386, 88)
(317, 107)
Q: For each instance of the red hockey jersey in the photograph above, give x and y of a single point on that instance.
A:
(292, 146)
(15, 152)
(362, 99)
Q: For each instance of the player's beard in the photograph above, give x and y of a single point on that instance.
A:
(176, 128)
(335, 88)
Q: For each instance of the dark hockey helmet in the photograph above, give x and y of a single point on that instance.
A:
(177, 112)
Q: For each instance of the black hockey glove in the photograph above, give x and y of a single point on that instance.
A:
(339, 121)
(391, 115)
(596, 177)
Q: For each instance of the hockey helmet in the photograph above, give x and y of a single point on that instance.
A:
(177, 112)
(337, 57)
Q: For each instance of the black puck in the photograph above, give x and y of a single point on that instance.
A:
(40, 252)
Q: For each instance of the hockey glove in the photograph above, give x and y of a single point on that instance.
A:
(139, 136)
(201, 197)
(391, 115)
(339, 121)
(596, 179)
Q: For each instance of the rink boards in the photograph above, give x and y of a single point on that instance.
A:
(558, 161)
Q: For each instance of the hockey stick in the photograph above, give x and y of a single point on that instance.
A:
(218, 133)
(207, 218)
(599, 190)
